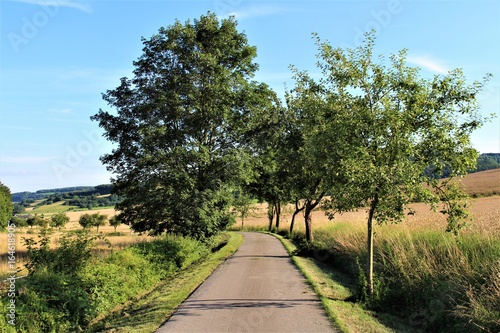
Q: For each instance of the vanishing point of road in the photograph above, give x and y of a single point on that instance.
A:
(258, 289)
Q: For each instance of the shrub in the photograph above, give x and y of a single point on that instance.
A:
(51, 302)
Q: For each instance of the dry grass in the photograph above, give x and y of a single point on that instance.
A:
(485, 214)
(485, 209)
(123, 238)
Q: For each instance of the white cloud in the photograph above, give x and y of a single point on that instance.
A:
(59, 3)
(429, 63)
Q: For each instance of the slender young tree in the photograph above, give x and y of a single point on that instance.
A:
(178, 127)
(114, 222)
(99, 220)
(384, 125)
(306, 172)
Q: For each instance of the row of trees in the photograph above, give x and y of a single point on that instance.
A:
(59, 220)
(192, 127)
(97, 220)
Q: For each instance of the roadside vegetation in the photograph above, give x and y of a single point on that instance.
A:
(69, 287)
(426, 280)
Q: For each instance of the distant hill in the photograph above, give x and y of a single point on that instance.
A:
(485, 162)
(483, 183)
(76, 190)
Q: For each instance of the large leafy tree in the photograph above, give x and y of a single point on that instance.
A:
(383, 126)
(6, 206)
(178, 127)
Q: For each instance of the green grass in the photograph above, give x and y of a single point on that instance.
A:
(70, 287)
(150, 310)
(437, 281)
(336, 292)
(57, 207)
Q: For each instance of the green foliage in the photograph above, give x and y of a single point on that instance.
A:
(243, 206)
(86, 221)
(379, 127)
(18, 209)
(68, 287)
(37, 220)
(88, 202)
(6, 206)
(74, 251)
(59, 220)
(488, 161)
(178, 127)
(114, 222)
(51, 302)
(92, 220)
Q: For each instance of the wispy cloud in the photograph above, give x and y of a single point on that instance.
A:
(25, 159)
(84, 7)
(256, 11)
(62, 111)
(429, 63)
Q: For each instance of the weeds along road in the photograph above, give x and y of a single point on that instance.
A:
(258, 289)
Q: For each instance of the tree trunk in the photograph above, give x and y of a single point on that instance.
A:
(270, 215)
(308, 221)
(297, 210)
(278, 213)
(369, 267)
(242, 218)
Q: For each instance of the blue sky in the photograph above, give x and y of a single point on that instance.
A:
(58, 56)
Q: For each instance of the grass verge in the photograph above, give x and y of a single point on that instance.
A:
(336, 292)
(149, 311)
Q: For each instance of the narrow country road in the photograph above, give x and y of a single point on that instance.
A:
(258, 289)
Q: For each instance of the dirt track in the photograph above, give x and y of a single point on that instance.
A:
(257, 290)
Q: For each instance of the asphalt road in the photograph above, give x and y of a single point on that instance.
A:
(258, 289)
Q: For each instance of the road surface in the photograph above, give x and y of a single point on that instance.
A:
(258, 289)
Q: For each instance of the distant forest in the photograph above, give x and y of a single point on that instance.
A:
(488, 162)
(83, 196)
(484, 162)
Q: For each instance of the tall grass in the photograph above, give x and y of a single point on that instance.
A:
(435, 280)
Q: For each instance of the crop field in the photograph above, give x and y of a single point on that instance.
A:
(483, 205)
(114, 241)
(485, 213)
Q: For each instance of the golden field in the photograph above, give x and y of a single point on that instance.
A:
(122, 239)
(483, 205)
